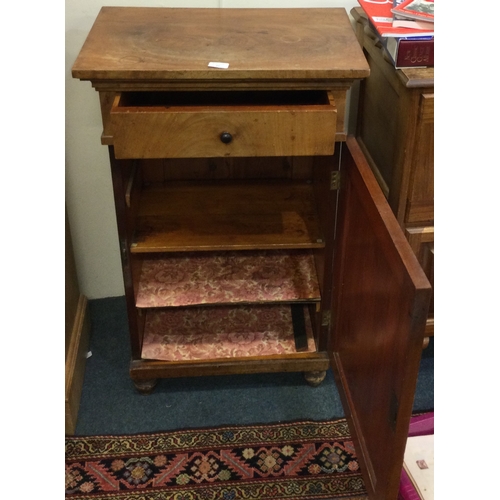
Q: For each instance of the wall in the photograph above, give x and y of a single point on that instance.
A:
(89, 196)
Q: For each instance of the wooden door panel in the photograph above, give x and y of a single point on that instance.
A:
(381, 297)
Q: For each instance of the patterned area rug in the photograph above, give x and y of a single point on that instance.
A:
(301, 460)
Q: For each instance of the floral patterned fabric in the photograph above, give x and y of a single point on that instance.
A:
(184, 279)
(181, 334)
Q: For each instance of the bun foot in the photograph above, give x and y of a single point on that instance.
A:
(315, 378)
(145, 386)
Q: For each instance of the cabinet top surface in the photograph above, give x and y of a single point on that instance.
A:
(148, 43)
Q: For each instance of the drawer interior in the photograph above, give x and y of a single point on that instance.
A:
(224, 98)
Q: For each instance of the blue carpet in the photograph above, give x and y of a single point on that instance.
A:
(111, 405)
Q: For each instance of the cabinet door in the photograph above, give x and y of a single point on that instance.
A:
(381, 297)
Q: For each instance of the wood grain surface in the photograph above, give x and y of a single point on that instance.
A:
(167, 43)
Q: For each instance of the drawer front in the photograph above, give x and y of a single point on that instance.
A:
(294, 124)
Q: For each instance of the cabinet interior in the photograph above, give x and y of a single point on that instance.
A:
(228, 255)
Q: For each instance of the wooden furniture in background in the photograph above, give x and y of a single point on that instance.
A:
(77, 326)
(224, 165)
(396, 133)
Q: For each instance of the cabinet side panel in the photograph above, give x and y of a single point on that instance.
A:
(421, 192)
(379, 125)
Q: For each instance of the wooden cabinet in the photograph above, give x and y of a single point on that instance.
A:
(396, 134)
(253, 235)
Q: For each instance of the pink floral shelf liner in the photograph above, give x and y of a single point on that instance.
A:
(201, 333)
(185, 279)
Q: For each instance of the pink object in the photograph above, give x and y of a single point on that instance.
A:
(406, 489)
(422, 425)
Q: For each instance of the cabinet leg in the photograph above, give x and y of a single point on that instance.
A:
(145, 386)
(315, 378)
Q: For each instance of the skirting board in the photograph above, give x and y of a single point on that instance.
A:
(75, 363)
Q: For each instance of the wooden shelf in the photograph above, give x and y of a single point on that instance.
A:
(186, 278)
(204, 333)
(184, 216)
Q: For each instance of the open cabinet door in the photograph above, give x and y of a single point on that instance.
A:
(380, 303)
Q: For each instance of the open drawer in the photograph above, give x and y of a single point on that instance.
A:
(215, 124)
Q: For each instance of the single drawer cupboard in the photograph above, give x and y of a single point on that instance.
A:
(253, 234)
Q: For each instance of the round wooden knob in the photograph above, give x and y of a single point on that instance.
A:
(226, 137)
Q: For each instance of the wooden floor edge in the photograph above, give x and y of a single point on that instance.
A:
(75, 363)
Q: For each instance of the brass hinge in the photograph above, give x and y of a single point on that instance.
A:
(334, 180)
